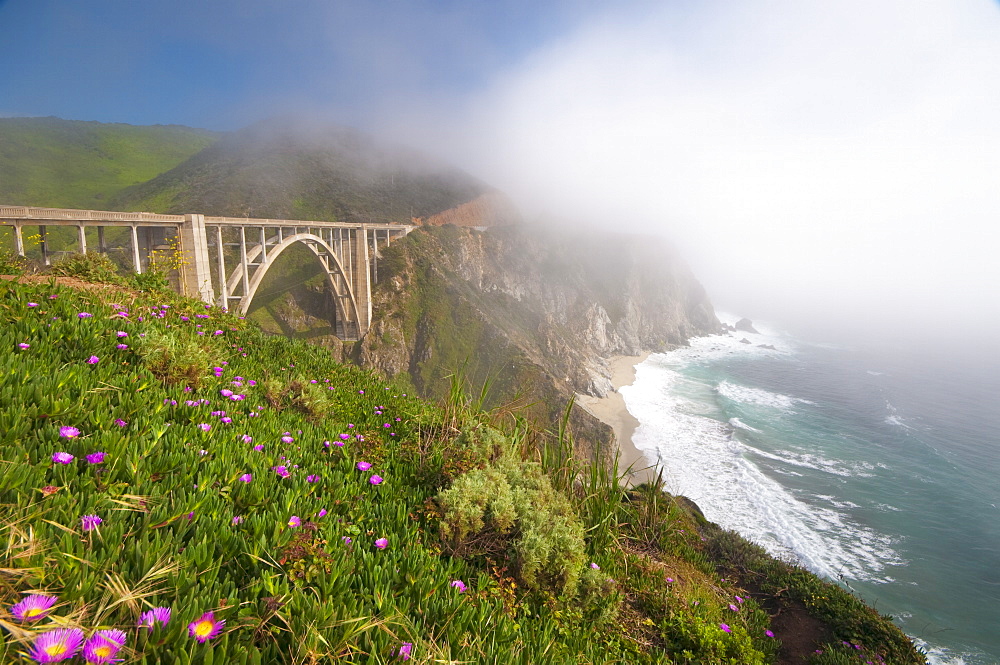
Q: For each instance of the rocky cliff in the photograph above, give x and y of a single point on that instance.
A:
(535, 312)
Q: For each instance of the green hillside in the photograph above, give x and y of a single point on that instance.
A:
(162, 457)
(58, 163)
(289, 169)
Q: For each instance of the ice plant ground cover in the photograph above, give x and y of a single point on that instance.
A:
(203, 553)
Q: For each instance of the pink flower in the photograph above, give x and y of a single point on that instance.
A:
(90, 522)
(725, 627)
(375, 479)
(204, 427)
(62, 458)
(364, 466)
(93, 360)
(205, 627)
(405, 649)
(23, 345)
(460, 585)
(246, 477)
(120, 422)
(157, 615)
(68, 432)
(96, 458)
(294, 522)
(312, 478)
(121, 333)
(33, 607)
(382, 543)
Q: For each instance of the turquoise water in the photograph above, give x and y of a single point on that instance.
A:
(874, 468)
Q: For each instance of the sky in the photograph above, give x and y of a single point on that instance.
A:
(830, 166)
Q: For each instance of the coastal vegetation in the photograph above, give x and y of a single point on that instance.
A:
(180, 487)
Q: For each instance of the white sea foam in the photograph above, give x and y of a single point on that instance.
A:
(757, 396)
(816, 462)
(736, 422)
(703, 461)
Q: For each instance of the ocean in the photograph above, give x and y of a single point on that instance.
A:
(873, 467)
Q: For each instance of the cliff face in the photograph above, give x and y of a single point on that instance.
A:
(535, 311)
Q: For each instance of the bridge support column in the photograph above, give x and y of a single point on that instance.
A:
(196, 270)
(361, 277)
(83, 239)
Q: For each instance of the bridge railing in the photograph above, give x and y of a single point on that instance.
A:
(57, 214)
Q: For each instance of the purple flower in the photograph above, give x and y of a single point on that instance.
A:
(321, 513)
(259, 447)
(93, 360)
(204, 427)
(68, 432)
(237, 520)
(382, 543)
(157, 615)
(24, 345)
(62, 458)
(205, 627)
(460, 585)
(725, 627)
(90, 522)
(103, 646)
(594, 566)
(281, 471)
(32, 304)
(84, 315)
(96, 458)
(294, 522)
(225, 420)
(345, 437)
(375, 479)
(246, 477)
(121, 333)
(120, 422)
(405, 649)
(769, 633)
(225, 392)
(247, 438)
(121, 346)
(364, 466)
(33, 607)
(56, 645)
(733, 608)
(312, 478)
(287, 439)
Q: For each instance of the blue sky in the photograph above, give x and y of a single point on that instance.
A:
(225, 63)
(833, 164)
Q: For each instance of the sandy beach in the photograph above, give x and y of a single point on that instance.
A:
(611, 410)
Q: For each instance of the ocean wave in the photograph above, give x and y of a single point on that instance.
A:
(703, 461)
(817, 463)
(739, 424)
(757, 396)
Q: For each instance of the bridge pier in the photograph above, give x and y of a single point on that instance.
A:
(195, 268)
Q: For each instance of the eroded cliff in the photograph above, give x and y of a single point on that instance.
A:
(535, 312)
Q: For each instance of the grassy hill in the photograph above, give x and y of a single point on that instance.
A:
(159, 455)
(70, 164)
(290, 169)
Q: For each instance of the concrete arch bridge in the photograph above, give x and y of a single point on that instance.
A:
(221, 260)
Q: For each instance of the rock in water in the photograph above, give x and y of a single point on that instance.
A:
(746, 325)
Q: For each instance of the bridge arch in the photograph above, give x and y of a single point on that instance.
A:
(249, 274)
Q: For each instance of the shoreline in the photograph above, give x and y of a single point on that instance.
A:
(611, 410)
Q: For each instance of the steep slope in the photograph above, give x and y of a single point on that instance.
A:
(290, 169)
(534, 312)
(59, 163)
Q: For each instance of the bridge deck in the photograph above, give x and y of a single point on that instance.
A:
(71, 217)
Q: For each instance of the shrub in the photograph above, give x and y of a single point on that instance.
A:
(92, 267)
(173, 359)
(510, 508)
